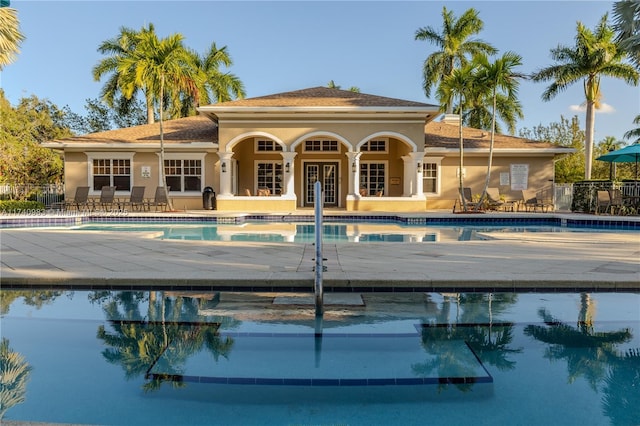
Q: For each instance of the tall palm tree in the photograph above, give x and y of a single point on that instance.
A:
(120, 49)
(634, 133)
(332, 85)
(212, 84)
(498, 76)
(10, 36)
(155, 62)
(626, 18)
(460, 83)
(456, 49)
(594, 55)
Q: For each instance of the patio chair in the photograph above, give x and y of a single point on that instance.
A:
(160, 199)
(603, 201)
(136, 199)
(493, 199)
(80, 200)
(616, 201)
(107, 198)
(530, 200)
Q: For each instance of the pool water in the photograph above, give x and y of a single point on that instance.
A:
(332, 232)
(167, 358)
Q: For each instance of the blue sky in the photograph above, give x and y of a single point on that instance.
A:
(290, 45)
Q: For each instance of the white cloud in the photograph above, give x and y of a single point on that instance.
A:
(604, 108)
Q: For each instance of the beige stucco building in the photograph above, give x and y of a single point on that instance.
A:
(370, 153)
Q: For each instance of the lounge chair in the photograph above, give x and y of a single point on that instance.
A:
(529, 200)
(160, 199)
(107, 198)
(80, 200)
(603, 202)
(617, 202)
(493, 199)
(136, 199)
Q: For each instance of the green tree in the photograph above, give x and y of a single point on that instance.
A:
(156, 62)
(594, 55)
(499, 77)
(23, 161)
(333, 85)
(456, 49)
(600, 169)
(626, 19)
(634, 133)
(460, 83)
(121, 88)
(566, 133)
(10, 36)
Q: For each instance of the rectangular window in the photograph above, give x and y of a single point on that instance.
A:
(372, 178)
(112, 172)
(267, 146)
(321, 145)
(375, 145)
(270, 177)
(183, 175)
(430, 177)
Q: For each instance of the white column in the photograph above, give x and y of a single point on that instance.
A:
(418, 159)
(288, 172)
(409, 175)
(225, 172)
(354, 172)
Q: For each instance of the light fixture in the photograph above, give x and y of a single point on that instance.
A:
(287, 167)
(224, 167)
(353, 167)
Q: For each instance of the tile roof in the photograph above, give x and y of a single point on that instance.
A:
(178, 131)
(443, 135)
(321, 97)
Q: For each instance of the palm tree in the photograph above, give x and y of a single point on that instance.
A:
(626, 15)
(156, 61)
(10, 36)
(609, 144)
(333, 85)
(595, 54)
(460, 83)
(634, 133)
(213, 85)
(499, 76)
(456, 49)
(121, 48)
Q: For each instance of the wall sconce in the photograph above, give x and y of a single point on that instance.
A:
(419, 168)
(353, 167)
(224, 167)
(287, 167)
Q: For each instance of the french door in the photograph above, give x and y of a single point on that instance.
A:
(325, 172)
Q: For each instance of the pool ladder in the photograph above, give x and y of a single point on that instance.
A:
(319, 266)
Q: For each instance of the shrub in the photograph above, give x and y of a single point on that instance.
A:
(17, 206)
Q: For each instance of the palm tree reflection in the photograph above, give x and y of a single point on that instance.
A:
(170, 332)
(14, 373)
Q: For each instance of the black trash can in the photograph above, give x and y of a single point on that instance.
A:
(208, 197)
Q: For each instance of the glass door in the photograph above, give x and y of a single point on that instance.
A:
(327, 173)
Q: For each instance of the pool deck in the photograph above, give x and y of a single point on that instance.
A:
(54, 258)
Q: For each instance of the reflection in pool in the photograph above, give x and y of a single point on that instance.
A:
(332, 232)
(161, 357)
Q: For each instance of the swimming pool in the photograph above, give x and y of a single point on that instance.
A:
(348, 232)
(121, 357)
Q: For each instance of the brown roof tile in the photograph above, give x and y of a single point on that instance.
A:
(443, 135)
(322, 97)
(181, 130)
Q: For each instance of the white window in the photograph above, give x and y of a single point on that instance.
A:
(317, 145)
(431, 175)
(269, 176)
(372, 178)
(183, 175)
(107, 169)
(375, 145)
(267, 145)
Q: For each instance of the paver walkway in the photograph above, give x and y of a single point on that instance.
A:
(535, 260)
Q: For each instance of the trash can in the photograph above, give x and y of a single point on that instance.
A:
(208, 197)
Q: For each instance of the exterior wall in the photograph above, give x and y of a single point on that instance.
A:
(256, 204)
(385, 204)
(541, 175)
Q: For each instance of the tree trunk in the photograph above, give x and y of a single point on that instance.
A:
(162, 171)
(490, 162)
(588, 143)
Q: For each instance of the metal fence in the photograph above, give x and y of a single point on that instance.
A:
(46, 194)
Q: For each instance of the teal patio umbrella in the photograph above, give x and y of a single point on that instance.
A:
(628, 154)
